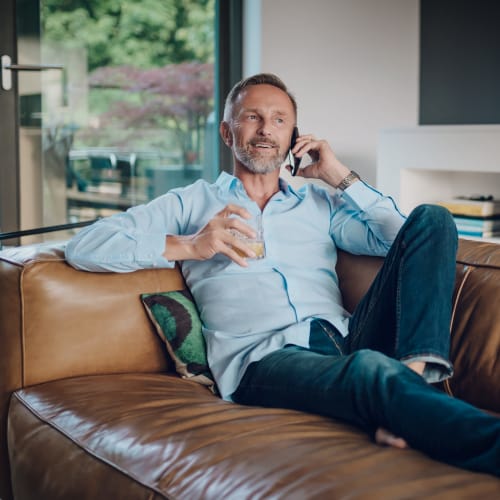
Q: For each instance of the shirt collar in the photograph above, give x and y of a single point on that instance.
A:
(228, 183)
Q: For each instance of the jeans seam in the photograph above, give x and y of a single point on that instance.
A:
(398, 299)
(356, 334)
(332, 338)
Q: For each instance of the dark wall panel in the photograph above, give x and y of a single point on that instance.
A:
(460, 62)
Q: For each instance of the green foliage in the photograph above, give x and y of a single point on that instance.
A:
(137, 61)
(143, 34)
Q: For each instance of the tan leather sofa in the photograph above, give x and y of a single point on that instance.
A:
(90, 408)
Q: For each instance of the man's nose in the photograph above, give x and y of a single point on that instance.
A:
(264, 127)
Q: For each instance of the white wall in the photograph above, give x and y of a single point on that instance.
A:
(352, 65)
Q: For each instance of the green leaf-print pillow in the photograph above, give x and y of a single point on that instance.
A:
(178, 324)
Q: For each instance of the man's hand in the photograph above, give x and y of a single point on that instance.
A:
(324, 166)
(216, 237)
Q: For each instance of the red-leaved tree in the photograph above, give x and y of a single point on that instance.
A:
(178, 97)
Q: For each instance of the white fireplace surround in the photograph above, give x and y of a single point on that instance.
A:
(434, 162)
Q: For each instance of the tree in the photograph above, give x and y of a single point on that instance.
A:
(176, 96)
(150, 64)
(143, 34)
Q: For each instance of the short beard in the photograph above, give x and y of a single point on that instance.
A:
(257, 164)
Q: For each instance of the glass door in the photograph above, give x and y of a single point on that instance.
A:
(114, 102)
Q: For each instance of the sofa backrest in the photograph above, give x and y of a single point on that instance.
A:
(58, 322)
(62, 322)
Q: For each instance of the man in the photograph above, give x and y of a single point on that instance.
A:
(276, 331)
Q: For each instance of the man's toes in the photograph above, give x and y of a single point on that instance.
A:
(384, 437)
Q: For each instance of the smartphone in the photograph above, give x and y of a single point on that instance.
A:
(296, 160)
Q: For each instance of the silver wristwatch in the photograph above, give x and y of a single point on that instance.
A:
(348, 180)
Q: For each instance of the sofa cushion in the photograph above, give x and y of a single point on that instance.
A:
(176, 320)
(133, 436)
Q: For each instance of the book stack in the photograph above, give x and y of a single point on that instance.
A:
(477, 216)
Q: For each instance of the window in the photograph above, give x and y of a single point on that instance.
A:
(132, 114)
(127, 109)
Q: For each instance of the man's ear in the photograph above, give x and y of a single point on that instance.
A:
(225, 133)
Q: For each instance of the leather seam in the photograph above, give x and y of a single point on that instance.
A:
(109, 463)
(477, 264)
(23, 327)
(469, 269)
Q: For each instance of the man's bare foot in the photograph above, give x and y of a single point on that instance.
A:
(417, 366)
(384, 437)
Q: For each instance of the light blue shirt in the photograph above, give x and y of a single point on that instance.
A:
(250, 312)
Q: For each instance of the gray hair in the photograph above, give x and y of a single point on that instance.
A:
(260, 79)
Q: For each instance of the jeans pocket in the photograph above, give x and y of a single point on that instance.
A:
(324, 338)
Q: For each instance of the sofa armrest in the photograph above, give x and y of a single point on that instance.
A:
(475, 327)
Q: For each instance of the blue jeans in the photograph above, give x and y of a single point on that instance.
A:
(363, 380)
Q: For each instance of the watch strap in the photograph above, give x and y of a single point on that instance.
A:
(348, 180)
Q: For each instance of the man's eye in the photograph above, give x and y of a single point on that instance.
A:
(252, 117)
(280, 120)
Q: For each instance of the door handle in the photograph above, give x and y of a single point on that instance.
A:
(7, 68)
